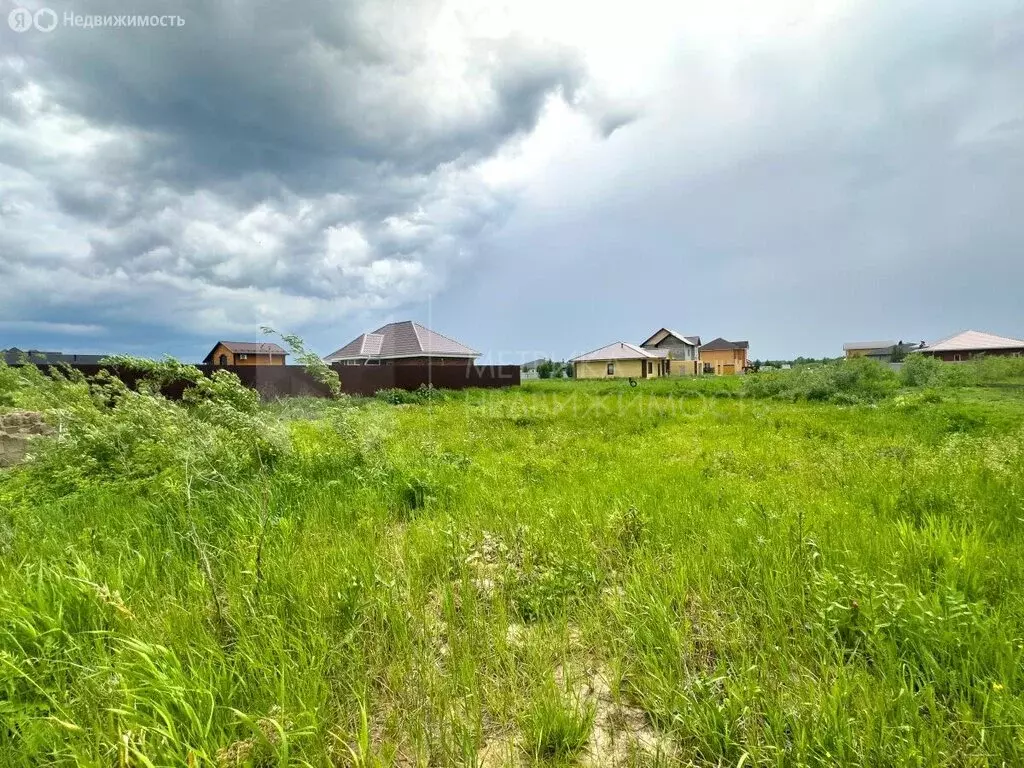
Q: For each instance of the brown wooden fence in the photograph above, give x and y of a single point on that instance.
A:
(277, 381)
(367, 379)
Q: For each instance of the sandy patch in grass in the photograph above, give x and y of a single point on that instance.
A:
(622, 734)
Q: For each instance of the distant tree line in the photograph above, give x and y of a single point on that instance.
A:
(758, 364)
(554, 369)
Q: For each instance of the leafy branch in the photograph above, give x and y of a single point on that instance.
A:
(312, 362)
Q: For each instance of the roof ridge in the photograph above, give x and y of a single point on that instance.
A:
(637, 348)
(682, 336)
(996, 335)
(671, 332)
(725, 344)
(438, 333)
(416, 325)
(1013, 339)
(632, 347)
(228, 341)
(951, 336)
(596, 349)
(416, 332)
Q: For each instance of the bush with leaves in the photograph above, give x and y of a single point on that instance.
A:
(921, 371)
(108, 432)
(155, 374)
(423, 394)
(926, 371)
(27, 387)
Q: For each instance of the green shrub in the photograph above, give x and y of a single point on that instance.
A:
(424, 394)
(927, 371)
(110, 433)
(395, 396)
(844, 382)
(770, 384)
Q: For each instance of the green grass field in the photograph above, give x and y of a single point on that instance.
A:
(687, 572)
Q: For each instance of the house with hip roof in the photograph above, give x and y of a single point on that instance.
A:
(724, 358)
(403, 343)
(620, 360)
(968, 344)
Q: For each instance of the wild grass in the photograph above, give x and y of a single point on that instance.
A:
(556, 725)
(566, 573)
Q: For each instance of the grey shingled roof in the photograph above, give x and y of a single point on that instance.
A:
(722, 344)
(402, 339)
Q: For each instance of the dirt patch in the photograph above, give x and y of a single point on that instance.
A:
(484, 563)
(516, 635)
(499, 752)
(622, 734)
(17, 430)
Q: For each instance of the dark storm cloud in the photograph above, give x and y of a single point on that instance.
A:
(278, 160)
(299, 90)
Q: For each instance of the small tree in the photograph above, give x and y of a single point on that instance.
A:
(312, 362)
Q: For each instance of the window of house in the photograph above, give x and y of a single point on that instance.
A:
(222, 360)
(611, 369)
(243, 357)
(650, 367)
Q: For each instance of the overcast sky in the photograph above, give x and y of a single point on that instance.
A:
(531, 178)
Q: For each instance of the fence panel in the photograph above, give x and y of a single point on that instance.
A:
(456, 376)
